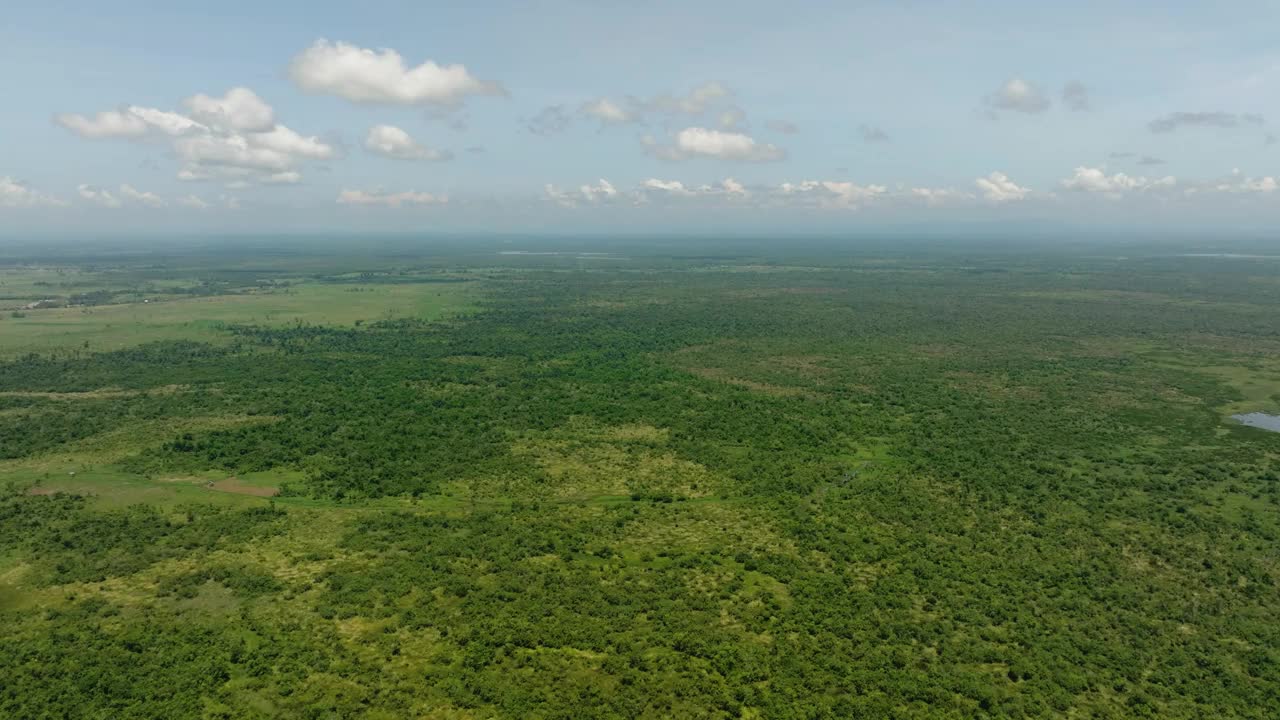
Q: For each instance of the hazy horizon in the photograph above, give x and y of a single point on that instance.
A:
(566, 118)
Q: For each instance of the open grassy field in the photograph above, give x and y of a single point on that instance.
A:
(906, 485)
(155, 317)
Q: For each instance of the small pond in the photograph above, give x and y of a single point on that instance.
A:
(1259, 420)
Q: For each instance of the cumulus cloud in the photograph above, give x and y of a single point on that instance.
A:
(16, 194)
(872, 134)
(1239, 183)
(389, 199)
(1096, 180)
(832, 193)
(698, 142)
(1017, 95)
(106, 124)
(650, 190)
(285, 141)
(729, 190)
(939, 196)
(1076, 96)
(234, 135)
(607, 111)
(193, 202)
(550, 120)
(239, 109)
(98, 196)
(601, 191)
(390, 141)
(998, 188)
(704, 99)
(382, 76)
(1179, 120)
(141, 197)
(132, 122)
(231, 151)
(674, 187)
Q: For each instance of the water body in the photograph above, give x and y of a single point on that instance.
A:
(1259, 420)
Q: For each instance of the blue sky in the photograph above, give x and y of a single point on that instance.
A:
(716, 115)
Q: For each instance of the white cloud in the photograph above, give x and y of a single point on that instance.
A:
(674, 187)
(289, 177)
(848, 193)
(832, 194)
(16, 194)
(193, 202)
(1262, 185)
(602, 191)
(394, 200)
(695, 103)
(701, 99)
(1239, 183)
(240, 109)
(131, 122)
(697, 142)
(727, 188)
(283, 140)
(558, 196)
(998, 188)
(234, 137)
(1018, 95)
(390, 141)
(168, 123)
(108, 123)
(369, 76)
(98, 196)
(607, 111)
(234, 151)
(149, 199)
(1096, 180)
(938, 196)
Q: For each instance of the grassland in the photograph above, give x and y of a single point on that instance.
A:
(800, 485)
(103, 328)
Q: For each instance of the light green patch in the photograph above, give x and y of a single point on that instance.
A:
(113, 327)
(1257, 383)
(584, 460)
(690, 527)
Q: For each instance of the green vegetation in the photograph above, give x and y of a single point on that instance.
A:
(936, 482)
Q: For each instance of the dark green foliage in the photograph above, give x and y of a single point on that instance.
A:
(937, 486)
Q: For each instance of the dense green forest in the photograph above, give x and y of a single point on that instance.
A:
(778, 481)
